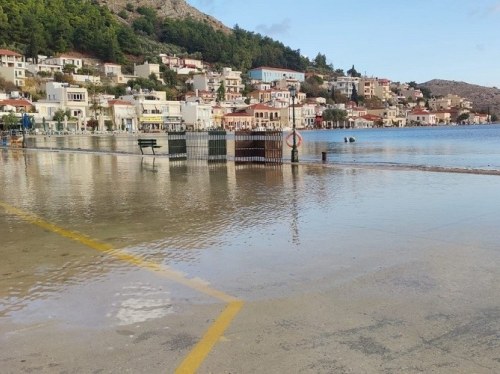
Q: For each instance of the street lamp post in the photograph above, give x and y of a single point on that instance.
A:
(295, 151)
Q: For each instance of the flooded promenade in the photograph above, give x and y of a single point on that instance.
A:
(120, 263)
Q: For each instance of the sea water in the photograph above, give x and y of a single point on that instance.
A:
(471, 147)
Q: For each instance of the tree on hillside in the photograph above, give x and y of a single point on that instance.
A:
(321, 64)
(354, 94)
(36, 43)
(373, 103)
(221, 92)
(334, 115)
(353, 72)
(6, 86)
(463, 118)
(426, 92)
(413, 84)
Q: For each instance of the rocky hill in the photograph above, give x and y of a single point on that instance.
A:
(482, 97)
(177, 9)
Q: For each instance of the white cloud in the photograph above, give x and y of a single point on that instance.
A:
(275, 29)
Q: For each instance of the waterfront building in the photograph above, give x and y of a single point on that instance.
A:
(154, 112)
(389, 116)
(66, 97)
(421, 117)
(355, 111)
(123, 115)
(265, 117)
(197, 116)
(363, 122)
(443, 116)
(218, 113)
(16, 106)
(237, 121)
(305, 115)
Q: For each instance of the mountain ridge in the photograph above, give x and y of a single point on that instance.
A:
(483, 98)
(176, 9)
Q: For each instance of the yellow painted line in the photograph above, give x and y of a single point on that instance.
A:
(200, 351)
(198, 354)
(165, 271)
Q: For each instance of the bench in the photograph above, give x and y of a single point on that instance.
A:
(146, 143)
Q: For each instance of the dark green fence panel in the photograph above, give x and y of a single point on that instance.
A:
(177, 148)
(208, 146)
(217, 146)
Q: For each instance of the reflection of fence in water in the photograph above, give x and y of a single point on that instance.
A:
(263, 147)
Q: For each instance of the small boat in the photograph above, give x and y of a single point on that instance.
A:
(350, 139)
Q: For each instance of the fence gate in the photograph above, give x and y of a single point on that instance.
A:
(217, 146)
(177, 149)
(258, 147)
(209, 146)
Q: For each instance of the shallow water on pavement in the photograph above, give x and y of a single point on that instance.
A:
(258, 233)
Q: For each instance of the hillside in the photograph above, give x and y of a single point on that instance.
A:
(482, 97)
(176, 9)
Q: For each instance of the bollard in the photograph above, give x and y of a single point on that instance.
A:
(323, 156)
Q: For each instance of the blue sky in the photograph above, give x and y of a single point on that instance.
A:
(402, 40)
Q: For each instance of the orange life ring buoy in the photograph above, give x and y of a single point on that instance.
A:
(289, 139)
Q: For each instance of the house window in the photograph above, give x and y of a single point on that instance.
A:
(75, 96)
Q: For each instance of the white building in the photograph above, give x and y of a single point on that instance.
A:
(305, 115)
(197, 116)
(212, 81)
(423, 117)
(114, 73)
(12, 67)
(43, 68)
(154, 112)
(124, 115)
(63, 60)
(146, 69)
(66, 97)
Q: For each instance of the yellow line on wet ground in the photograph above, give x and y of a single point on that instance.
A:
(200, 351)
(205, 345)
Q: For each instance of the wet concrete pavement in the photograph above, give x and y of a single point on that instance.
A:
(340, 270)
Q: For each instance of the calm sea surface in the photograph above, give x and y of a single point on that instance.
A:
(476, 147)
(471, 147)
